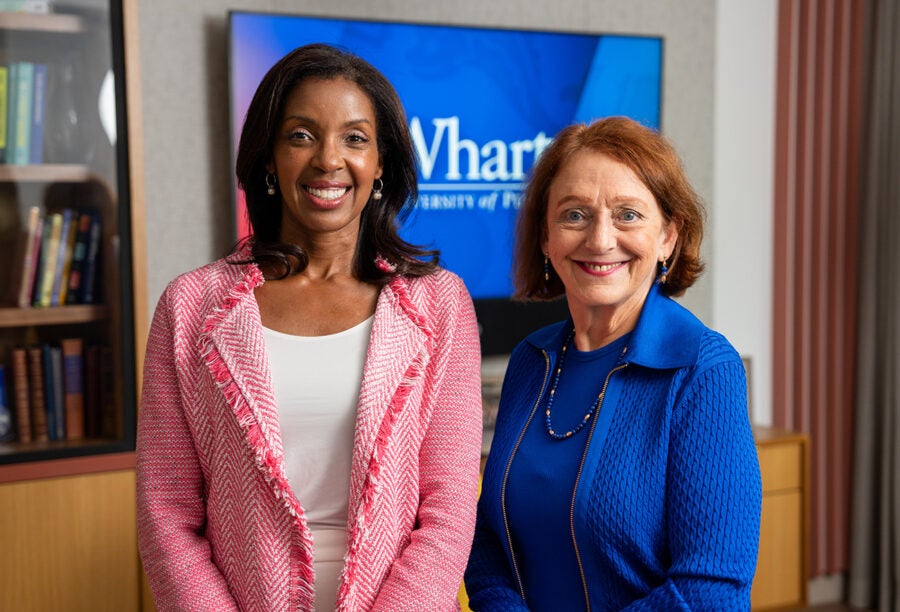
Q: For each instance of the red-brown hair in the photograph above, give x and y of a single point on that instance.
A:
(652, 158)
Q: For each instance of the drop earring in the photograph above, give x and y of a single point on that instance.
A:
(663, 271)
(546, 268)
(270, 183)
(376, 189)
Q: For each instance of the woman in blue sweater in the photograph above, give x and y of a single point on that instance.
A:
(623, 473)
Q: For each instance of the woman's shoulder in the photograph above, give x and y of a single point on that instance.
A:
(715, 347)
(438, 284)
(439, 298)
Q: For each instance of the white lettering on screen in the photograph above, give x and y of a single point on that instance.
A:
(495, 160)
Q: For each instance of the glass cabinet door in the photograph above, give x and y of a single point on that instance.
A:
(66, 303)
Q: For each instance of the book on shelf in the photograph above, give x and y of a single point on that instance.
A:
(23, 88)
(79, 253)
(21, 394)
(49, 392)
(57, 259)
(93, 421)
(63, 258)
(23, 103)
(12, 71)
(43, 284)
(73, 386)
(53, 380)
(39, 412)
(100, 412)
(26, 6)
(38, 111)
(91, 270)
(27, 250)
(4, 101)
(7, 431)
(101, 418)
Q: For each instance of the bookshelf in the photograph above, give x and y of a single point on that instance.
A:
(37, 22)
(26, 317)
(44, 173)
(66, 235)
(69, 526)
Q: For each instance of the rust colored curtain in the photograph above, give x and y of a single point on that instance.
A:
(817, 145)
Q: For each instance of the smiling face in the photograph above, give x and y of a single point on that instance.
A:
(326, 160)
(605, 235)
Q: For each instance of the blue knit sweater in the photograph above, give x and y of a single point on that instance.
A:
(667, 507)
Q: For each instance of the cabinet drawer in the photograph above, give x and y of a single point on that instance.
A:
(69, 544)
(781, 466)
(779, 577)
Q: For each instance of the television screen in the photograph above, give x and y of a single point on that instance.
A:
(481, 104)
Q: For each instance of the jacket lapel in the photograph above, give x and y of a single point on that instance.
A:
(399, 351)
(234, 350)
(398, 348)
(241, 346)
(235, 354)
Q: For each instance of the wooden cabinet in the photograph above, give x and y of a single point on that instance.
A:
(781, 580)
(69, 543)
(67, 514)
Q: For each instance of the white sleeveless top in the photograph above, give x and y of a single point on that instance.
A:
(316, 381)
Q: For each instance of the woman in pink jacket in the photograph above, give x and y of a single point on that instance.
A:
(310, 423)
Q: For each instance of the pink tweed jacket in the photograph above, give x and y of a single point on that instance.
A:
(219, 527)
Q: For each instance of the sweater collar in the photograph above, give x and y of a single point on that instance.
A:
(666, 336)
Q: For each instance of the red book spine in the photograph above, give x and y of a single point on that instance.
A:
(38, 401)
(73, 385)
(20, 393)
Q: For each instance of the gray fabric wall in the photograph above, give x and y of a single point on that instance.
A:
(184, 63)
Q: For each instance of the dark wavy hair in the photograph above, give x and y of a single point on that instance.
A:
(655, 162)
(378, 234)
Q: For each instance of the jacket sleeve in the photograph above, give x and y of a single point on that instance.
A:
(171, 511)
(428, 573)
(715, 497)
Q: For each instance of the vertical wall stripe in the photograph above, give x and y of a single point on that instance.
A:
(814, 276)
(785, 156)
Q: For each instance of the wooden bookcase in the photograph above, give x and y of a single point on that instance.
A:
(83, 168)
(68, 517)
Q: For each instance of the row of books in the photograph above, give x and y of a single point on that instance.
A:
(26, 6)
(23, 101)
(56, 392)
(57, 259)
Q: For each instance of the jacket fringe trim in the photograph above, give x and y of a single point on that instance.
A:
(372, 486)
(301, 551)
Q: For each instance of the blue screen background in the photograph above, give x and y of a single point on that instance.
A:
(482, 89)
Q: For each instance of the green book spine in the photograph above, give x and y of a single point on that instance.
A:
(49, 252)
(24, 104)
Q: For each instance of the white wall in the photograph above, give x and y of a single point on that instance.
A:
(717, 109)
(743, 186)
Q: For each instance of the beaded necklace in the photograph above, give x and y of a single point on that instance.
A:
(587, 417)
